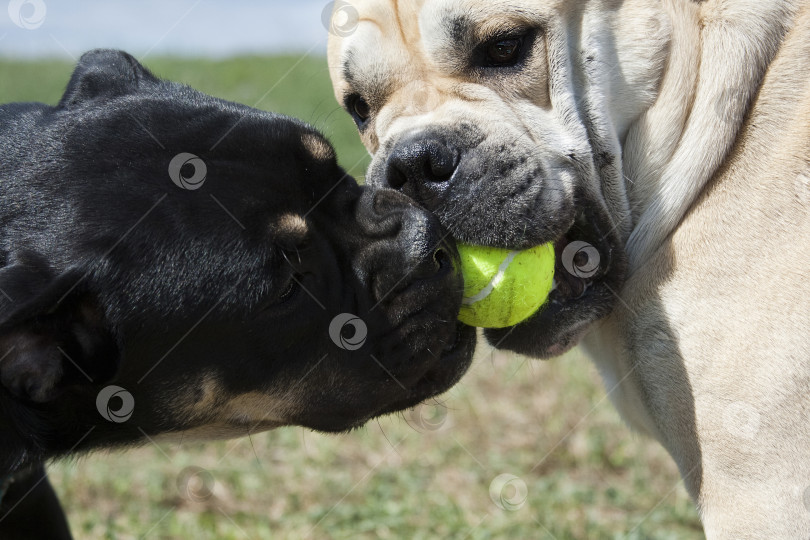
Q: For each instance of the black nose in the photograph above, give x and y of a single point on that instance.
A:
(420, 162)
(417, 246)
(422, 240)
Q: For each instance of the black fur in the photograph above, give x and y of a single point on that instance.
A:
(110, 274)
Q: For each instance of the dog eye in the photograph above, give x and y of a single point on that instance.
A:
(508, 48)
(360, 110)
(289, 292)
(504, 52)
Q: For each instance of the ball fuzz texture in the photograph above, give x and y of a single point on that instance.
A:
(503, 287)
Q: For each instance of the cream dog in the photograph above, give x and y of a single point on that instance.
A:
(663, 145)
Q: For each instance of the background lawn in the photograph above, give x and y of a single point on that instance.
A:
(427, 473)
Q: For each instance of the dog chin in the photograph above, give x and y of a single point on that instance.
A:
(448, 369)
(451, 366)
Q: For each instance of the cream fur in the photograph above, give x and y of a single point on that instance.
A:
(705, 107)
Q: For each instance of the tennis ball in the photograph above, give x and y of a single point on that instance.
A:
(503, 287)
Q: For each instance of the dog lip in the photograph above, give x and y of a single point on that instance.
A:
(571, 287)
(450, 347)
(577, 301)
(448, 370)
(568, 342)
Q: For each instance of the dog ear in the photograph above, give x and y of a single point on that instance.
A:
(104, 73)
(53, 333)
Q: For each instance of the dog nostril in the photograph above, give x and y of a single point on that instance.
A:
(439, 172)
(396, 178)
(440, 165)
(441, 260)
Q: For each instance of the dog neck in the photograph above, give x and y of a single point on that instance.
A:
(718, 56)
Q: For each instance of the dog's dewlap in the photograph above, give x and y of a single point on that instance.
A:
(503, 287)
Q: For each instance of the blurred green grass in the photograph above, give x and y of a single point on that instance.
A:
(548, 423)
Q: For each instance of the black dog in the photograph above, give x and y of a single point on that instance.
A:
(174, 263)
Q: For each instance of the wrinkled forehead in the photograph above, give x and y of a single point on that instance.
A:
(377, 42)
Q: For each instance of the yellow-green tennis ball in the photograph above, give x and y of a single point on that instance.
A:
(503, 287)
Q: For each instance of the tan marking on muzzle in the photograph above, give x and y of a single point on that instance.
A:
(198, 401)
(211, 412)
(254, 408)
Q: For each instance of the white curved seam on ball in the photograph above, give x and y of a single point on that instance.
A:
(496, 279)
